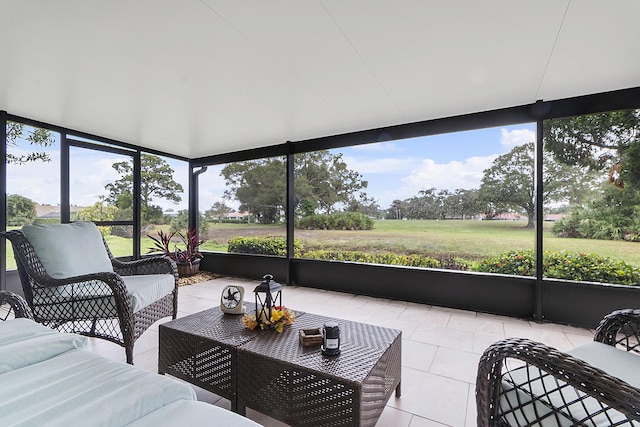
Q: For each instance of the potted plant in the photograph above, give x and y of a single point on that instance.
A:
(161, 243)
(187, 259)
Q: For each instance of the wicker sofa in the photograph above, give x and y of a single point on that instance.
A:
(48, 378)
(72, 282)
(526, 383)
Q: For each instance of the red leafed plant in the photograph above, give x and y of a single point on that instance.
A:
(191, 243)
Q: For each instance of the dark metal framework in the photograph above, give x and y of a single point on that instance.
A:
(71, 138)
(535, 298)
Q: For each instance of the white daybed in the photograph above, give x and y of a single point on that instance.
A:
(47, 378)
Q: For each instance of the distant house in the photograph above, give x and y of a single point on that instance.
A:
(53, 211)
(236, 216)
(507, 216)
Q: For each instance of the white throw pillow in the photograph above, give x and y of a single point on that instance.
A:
(68, 250)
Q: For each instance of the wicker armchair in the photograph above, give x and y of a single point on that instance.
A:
(117, 305)
(13, 306)
(525, 383)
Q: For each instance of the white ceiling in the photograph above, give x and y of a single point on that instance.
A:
(202, 77)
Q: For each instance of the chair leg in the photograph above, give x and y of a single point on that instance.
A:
(93, 326)
(129, 352)
(128, 341)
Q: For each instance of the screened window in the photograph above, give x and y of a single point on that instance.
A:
(244, 206)
(592, 231)
(454, 201)
(33, 178)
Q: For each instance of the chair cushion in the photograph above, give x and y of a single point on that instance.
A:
(536, 393)
(85, 300)
(621, 364)
(147, 289)
(68, 250)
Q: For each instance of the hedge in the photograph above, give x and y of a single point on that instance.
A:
(563, 265)
(560, 265)
(412, 260)
(336, 221)
(262, 245)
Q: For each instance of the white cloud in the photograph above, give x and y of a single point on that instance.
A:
(38, 182)
(382, 165)
(211, 188)
(510, 139)
(89, 176)
(465, 174)
(389, 146)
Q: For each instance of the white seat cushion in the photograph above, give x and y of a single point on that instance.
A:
(520, 384)
(84, 300)
(619, 363)
(147, 289)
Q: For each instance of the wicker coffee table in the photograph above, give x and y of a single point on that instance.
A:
(301, 387)
(201, 349)
(273, 374)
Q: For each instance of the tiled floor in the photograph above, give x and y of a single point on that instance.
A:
(440, 349)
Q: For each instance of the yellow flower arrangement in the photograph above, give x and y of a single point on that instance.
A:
(280, 317)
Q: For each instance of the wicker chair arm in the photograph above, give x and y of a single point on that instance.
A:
(113, 280)
(148, 265)
(16, 303)
(621, 329)
(609, 390)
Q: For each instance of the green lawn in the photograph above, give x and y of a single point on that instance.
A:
(472, 240)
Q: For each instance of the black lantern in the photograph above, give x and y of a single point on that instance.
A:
(268, 296)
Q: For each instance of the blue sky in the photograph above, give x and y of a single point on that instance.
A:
(400, 169)
(90, 171)
(394, 170)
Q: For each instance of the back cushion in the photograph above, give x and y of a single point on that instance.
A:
(68, 250)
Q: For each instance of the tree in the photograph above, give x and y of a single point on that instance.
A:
(97, 212)
(610, 216)
(219, 210)
(323, 183)
(365, 205)
(180, 223)
(35, 136)
(462, 204)
(157, 182)
(325, 179)
(428, 204)
(397, 210)
(608, 143)
(20, 210)
(259, 186)
(597, 141)
(100, 211)
(509, 183)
